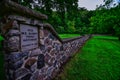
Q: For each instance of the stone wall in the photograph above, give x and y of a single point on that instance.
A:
(33, 50)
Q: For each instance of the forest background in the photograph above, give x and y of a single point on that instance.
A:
(67, 17)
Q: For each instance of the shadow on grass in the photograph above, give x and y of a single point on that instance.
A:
(2, 72)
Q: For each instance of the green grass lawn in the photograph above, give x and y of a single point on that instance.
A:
(68, 35)
(99, 59)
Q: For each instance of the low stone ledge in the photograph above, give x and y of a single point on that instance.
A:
(71, 39)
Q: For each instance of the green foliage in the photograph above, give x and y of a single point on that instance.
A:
(71, 27)
(99, 59)
(67, 17)
(117, 30)
(64, 15)
(102, 23)
(60, 29)
(106, 21)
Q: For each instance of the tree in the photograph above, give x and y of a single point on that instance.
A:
(106, 21)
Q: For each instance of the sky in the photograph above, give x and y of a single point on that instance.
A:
(118, 1)
(90, 4)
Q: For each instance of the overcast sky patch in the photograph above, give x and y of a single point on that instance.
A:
(90, 4)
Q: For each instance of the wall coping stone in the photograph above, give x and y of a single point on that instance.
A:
(49, 27)
(70, 39)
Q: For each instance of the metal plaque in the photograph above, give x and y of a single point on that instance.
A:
(29, 37)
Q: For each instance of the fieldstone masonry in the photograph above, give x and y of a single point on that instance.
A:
(32, 49)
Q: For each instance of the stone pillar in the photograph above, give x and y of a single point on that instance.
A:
(20, 63)
(11, 46)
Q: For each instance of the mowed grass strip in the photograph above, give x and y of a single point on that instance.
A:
(99, 59)
(63, 36)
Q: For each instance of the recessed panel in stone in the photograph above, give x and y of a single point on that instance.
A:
(29, 37)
